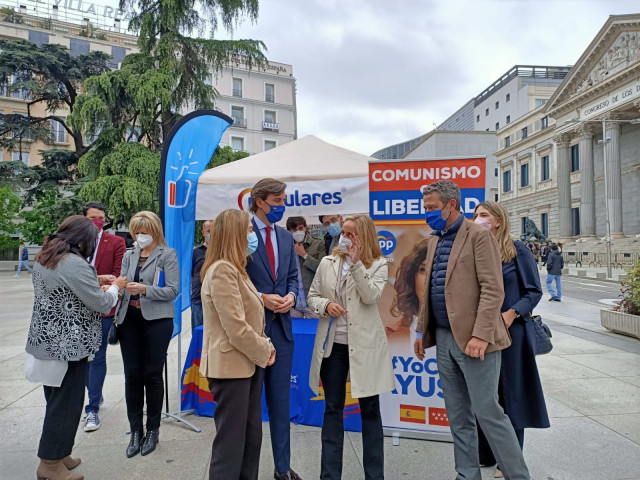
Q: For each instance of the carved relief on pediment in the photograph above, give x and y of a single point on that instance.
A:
(624, 52)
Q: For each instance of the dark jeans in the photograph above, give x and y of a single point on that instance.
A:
(144, 345)
(235, 453)
(333, 374)
(97, 370)
(62, 415)
(196, 315)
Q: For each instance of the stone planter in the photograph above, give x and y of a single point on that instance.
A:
(619, 322)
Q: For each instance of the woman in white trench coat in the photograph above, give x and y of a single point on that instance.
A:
(351, 340)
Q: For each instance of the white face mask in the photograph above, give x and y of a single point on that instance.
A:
(144, 240)
(299, 236)
(343, 242)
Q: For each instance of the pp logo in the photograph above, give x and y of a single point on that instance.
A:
(387, 242)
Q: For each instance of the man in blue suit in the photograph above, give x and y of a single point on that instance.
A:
(274, 272)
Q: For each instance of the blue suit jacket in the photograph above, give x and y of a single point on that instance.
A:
(260, 273)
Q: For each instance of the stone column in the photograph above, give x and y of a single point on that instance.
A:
(564, 184)
(614, 177)
(587, 183)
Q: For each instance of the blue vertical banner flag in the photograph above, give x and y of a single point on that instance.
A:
(185, 154)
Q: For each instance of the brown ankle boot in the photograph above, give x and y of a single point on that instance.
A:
(71, 462)
(55, 470)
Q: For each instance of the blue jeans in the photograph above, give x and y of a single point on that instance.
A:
(97, 370)
(196, 316)
(557, 278)
(25, 264)
(470, 388)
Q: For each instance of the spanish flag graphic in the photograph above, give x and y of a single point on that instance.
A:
(413, 414)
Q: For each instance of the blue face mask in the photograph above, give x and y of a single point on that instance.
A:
(275, 214)
(435, 220)
(334, 229)
(253, 243)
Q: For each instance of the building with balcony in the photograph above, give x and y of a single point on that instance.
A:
(81, 32)
(554, 162)
(262, 103)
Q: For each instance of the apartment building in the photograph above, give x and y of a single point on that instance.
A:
(99, 29)
(262, 103)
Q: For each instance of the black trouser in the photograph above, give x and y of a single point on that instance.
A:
(62, 415)
(144, 345)
(235, 453)
(333, 373)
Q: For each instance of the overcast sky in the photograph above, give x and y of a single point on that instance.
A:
(371, 73)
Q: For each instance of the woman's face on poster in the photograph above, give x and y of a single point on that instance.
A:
(420, 281)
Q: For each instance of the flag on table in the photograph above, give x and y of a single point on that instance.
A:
(438, 416)
(413, 414)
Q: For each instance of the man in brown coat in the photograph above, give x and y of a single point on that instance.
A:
(461, 314)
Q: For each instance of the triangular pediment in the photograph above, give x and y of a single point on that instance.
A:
(612, 55)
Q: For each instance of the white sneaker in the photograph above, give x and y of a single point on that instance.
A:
(92, 422)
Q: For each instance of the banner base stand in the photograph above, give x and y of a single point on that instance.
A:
(397, 434)
(177, 416)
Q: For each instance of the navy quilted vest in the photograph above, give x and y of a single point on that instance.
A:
(439, 273)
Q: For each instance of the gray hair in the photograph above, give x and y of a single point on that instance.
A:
(446, 190)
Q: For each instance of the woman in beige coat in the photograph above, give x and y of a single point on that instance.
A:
(351, 340)
(235, 349)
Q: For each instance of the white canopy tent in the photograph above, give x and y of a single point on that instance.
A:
(321, 179)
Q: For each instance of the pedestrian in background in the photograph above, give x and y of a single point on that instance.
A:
(544, 253)
(309, 252)
(235, 349)
(519, 389)
(65, 331)
(555, 264)
(333, 226)
(24, 260)
(145, 325)
(351, 341)
(107, 260)
(196, 284)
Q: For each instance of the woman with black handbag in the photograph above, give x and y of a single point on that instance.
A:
(520, 389)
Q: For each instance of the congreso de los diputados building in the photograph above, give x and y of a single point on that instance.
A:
(562, 164)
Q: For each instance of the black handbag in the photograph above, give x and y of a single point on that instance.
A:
(112, 337)
(543, 335)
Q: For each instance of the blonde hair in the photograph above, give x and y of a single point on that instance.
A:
(150, 222)
(366, 230)
(229, 241)
(503, 235)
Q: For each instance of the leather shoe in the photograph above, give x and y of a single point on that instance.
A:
(290, 475)
(150, 441)
(134, 444)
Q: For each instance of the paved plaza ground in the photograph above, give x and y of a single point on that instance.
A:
(591, 381)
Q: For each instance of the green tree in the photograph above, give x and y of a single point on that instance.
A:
(224, 155)
(38, 222)
(9, 207)
(126, 180)
(47, 74)
(164, 28)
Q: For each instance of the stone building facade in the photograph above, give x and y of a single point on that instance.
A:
(560, 147)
